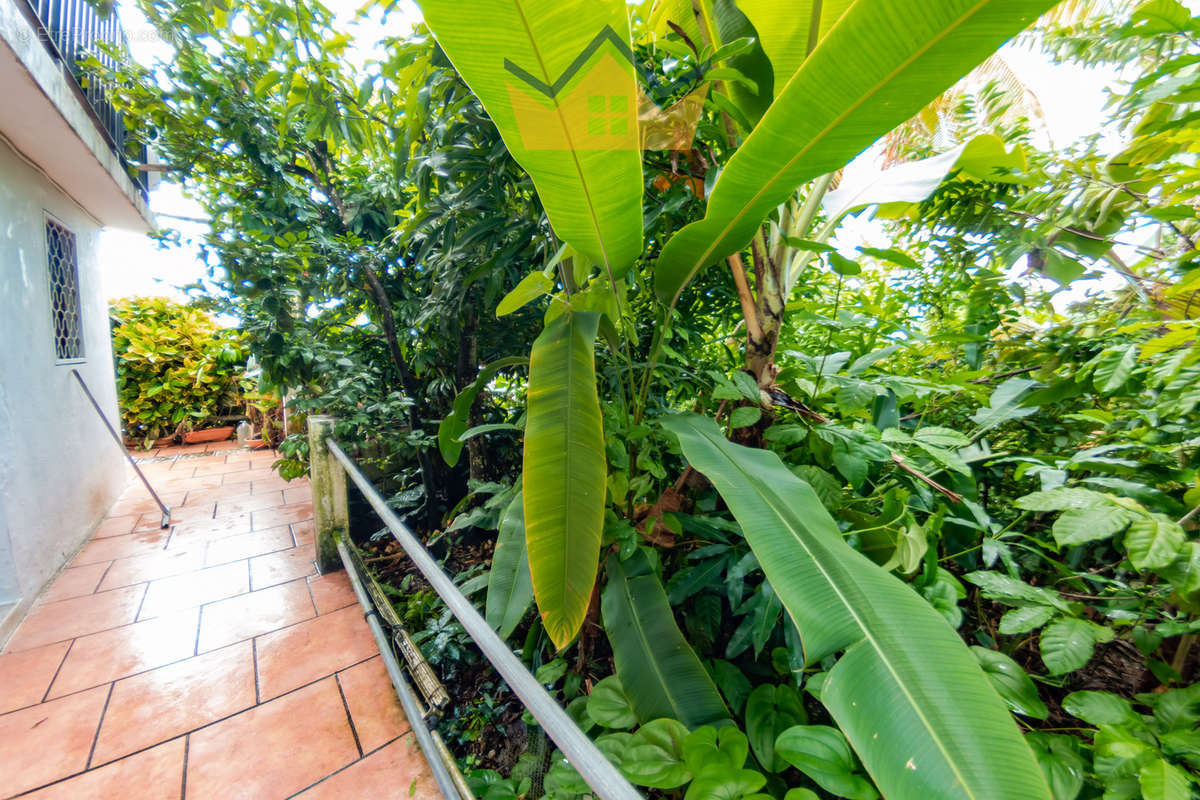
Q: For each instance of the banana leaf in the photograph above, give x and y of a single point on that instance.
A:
(558, 80)
(788, 31)
(881, 63)
(510, 589)
(659, 671)
(565, 473)
(906, 691)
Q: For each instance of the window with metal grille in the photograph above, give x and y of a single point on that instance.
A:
(64, 291)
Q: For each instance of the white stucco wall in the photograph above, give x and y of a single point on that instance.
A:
(59, 468)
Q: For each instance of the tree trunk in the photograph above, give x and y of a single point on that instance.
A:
(409, 383)
(766, 310)
(466, 372)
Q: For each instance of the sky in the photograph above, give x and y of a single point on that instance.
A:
(1072, 99)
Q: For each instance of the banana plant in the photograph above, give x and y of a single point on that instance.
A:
(851, 72)
(558, 80)
(906, 691)
(876, 67)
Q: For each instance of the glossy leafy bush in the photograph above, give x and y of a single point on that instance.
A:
(177, 369)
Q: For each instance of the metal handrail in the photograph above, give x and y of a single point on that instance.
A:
(166, 512)
(408, 700)
(579, 750)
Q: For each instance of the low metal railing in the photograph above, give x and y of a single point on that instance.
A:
(71, 30)
(329, 466)
(166, 512)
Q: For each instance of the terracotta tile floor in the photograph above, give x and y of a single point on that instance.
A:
(204, 661)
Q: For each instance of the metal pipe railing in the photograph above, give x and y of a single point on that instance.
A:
(579, 750)
(412, 709)
(166, 512)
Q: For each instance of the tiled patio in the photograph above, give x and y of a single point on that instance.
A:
(208, 660)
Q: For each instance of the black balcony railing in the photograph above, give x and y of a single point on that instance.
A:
(71, 30)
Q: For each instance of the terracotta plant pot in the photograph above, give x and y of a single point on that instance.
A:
(208, 435)
(258, 444)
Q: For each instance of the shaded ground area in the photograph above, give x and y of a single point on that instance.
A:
(208, 660)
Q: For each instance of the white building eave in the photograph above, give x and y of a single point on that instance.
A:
(44, 119)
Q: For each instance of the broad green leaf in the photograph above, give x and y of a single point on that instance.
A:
(770, 711)
(1060, 760)
(724, 748)
(614, 745)
(1061, 499)
(549, 673)
(1004, 404)
(941, 437)
(734, 685)
(455, 424)
(1060, 268)
(1175, 709)
(1081, 525)
(751, 60)
(1154, 542)
(1183, 745)
(654, 755)
(827, 487)
(1161, 16)
(564, 473)
(787, 30)
(1025, 619)
(577, 711)
(997, 586)
(1100, 708)
(1012, 683)
(842, 265)
(1162, 780)
(881, 63)
(558, 80)
(562, 779)
(984, 157)
(1067, 644)
(659, 671)
(1184, 573)
(608, 705)
(531, 287)
(510, 589)
(821, 753)
(744, 416)
(946, 732)
(1114, 368)
(721, 784)
(1119, 752)
(943, 594)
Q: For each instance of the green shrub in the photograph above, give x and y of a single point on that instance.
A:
(177, 369)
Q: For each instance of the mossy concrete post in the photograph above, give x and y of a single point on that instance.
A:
(331, 511)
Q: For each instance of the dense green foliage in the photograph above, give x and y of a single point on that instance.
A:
(177, 369)
(884, 508)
